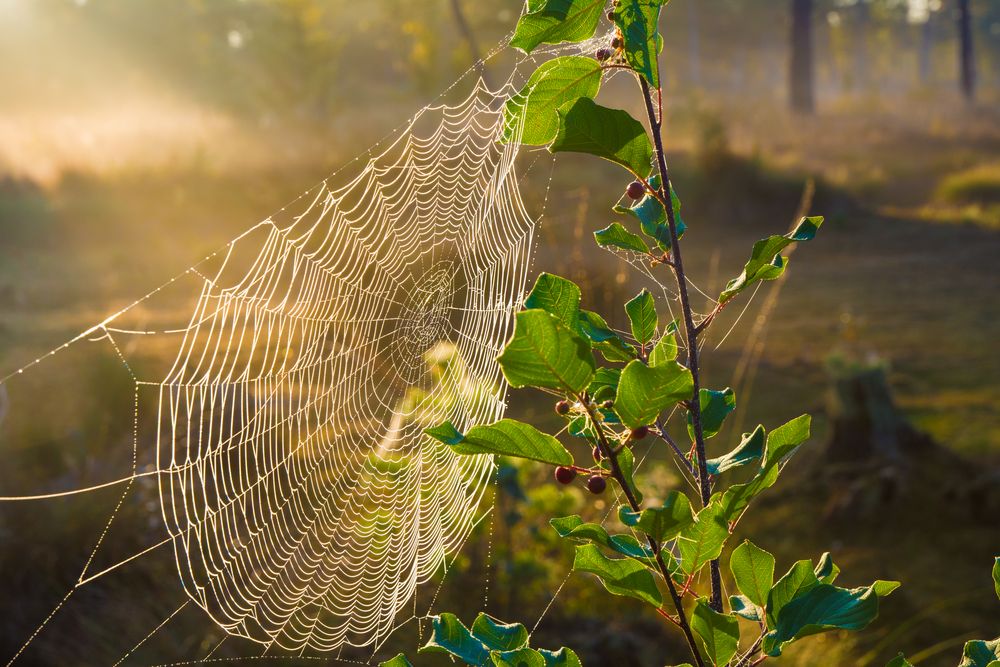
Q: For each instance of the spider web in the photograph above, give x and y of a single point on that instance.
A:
(303, 502)
(301, 499)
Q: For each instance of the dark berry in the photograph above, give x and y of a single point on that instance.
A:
(616, 43)
(608, 404)
(639, 432)
(635, 190)
(562, 408)
(603, 54)
(596, 484)
(565, 475)
(597, 454)
(611, 16)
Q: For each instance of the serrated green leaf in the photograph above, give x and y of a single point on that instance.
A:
(765, 263)
(823, 607)
(826, 570)
(720, 633)
(996, 575)
(616, 236)
(611, 134)
(715, 407)
(557, 296)
(399, 661)
(641, 311)
(799, 579)
(743, 607)
(604, 339)
(506, 437)
(653, 218)
(899, 661)
(554, 83)
(664, 522)
(980, 653)
(523, 657)
(448, 635)
(498, 636)
(751, 448)
(564, 657)
(665, 349)
(544, 352)
(702, 541)
(556, 21)
(621, 576)
(644, 392)
(753, 571)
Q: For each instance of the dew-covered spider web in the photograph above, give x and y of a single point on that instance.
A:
(278, 390)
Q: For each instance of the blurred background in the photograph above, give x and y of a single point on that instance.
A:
(135, 137)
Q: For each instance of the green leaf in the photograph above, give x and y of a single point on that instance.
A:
(498, 636)
(653, 218)
(604, 386)
(799, 579)
(715, 407)
(751, 448)
(743, 607)
(555, 21)
(644, 391)
(544, 352)
(720, 633)
(899, 661)
(557, 296)
(642, 317)
(661, 523)
(522, 657)
(448, 635)
(979, 653)
(621, 576)
(506, 437)
(823, 607)
(615, 235)
(753, 570)
(826, 570)
(399, 661)
(556, 82)
(996, 575)
(665, 349)
(626, 463)
(611, 134)
(781, 442)
(637, 20)
(446, 433)
(604, 340)
(564, 657)
(574, 528)
(703, 540)
(765, 263)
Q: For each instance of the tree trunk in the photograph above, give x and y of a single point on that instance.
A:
(965, 50)
(926, 46)
(802, 94)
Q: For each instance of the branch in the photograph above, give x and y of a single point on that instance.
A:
(611, 454)
(690, 329)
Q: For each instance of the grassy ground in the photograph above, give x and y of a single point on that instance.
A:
(904, 271)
